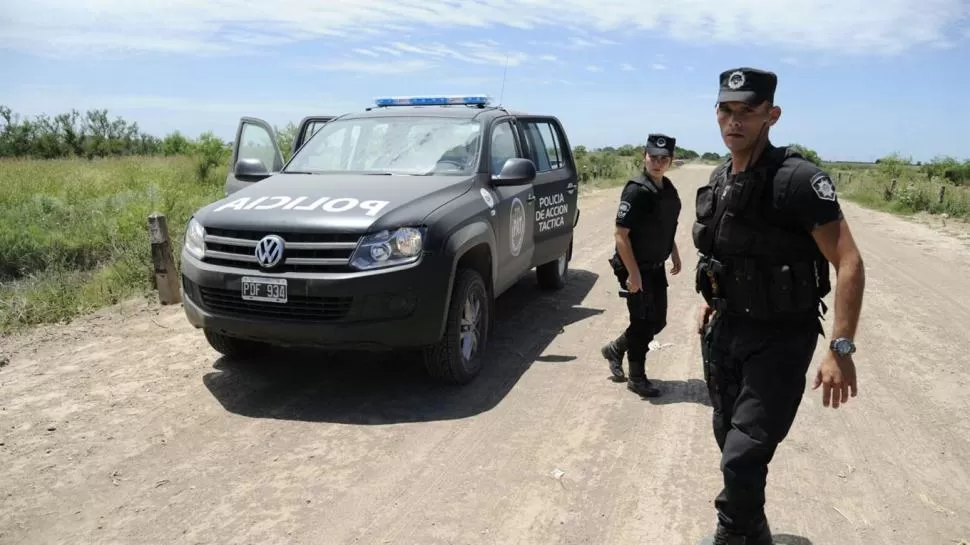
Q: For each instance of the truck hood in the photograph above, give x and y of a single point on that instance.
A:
(333, 202)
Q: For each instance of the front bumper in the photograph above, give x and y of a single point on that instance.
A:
(400, 308)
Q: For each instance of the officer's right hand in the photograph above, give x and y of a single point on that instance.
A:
(703, 314)
(633, 283)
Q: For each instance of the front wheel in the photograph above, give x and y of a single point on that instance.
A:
(457, 357)
(233, 348)
(552, 275)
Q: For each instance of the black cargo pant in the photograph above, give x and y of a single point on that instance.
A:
(647, 310)
(756, 377)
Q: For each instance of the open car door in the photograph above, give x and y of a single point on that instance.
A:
(308, 127)
(256, 154)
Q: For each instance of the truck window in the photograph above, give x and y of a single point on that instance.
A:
(545, 145)
(256, 143)
(503, 146)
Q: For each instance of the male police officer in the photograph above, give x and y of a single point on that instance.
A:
(646, 222)
(768, 225)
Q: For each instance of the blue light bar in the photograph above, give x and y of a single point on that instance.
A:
(445, 100)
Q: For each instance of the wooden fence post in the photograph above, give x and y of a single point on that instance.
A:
(164, 271)
(942, 193)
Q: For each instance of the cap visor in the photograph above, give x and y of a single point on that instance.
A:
(749, 97)
(658, 152)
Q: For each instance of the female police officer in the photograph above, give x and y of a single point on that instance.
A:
(646, 222)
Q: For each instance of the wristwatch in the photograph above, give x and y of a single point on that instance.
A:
(842, 346)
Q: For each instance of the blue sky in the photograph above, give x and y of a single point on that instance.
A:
(859, 79)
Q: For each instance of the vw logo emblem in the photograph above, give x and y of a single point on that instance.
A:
(269, 251)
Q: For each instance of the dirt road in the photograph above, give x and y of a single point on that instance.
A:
(126, 428)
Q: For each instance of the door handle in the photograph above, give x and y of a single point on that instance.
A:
(531, 197)
(571, 186)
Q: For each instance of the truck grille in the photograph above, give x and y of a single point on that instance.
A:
(304, 252)
(297, 308)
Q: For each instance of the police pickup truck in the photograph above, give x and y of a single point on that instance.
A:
(391, 228)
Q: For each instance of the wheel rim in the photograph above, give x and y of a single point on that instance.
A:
(469, 335)
(561, 265)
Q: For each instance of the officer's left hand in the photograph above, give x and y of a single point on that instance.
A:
(675, 268)
(837, 376)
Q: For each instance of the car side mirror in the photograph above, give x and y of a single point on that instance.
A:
(251, 170)
(515, 171)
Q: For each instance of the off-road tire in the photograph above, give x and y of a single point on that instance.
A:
(443, 360)
(553, 275)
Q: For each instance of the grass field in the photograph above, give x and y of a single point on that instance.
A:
(73, 234)
(871, 186)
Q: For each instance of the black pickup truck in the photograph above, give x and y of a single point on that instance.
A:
(391, 228)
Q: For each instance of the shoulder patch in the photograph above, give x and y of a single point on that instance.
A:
(623, 209)
(823, 186)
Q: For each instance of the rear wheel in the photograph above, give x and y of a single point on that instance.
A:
(457, 357)
(552, 275)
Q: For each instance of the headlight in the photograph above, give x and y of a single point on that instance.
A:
(389, 248)
(195, 239)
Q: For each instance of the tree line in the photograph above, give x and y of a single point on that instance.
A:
(95, 134)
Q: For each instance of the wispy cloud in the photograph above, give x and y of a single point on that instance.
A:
(574, 43)
(374, 67)
(468, 81)
(423, 56)
(658, 66)
(594, 68)
(627, 67)
(470, 52)
(233, 27)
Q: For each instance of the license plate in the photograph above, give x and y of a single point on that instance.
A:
(272, 290)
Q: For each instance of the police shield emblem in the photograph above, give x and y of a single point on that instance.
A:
(823, 187)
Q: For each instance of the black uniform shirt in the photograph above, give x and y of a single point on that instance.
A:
(651, 214)
(804, 201)
(810, 200)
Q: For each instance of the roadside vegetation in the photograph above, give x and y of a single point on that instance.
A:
(76, 190)
(897, 184)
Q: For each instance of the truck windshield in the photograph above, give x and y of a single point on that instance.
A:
(392, 145)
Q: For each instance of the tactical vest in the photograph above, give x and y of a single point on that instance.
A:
(750, 265)
(646, 242)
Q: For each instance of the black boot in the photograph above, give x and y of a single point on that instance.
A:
(761, 536)
(613, 352)
(639, 383)
(723, 536)
(642, 387)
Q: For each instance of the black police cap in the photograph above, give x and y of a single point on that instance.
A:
(748, 85)
(660, 144)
